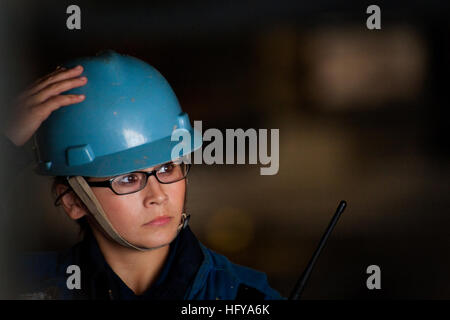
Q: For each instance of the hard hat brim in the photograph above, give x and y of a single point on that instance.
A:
(137, 158)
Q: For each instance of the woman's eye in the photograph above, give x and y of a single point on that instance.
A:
(129, 179)
(167, 168)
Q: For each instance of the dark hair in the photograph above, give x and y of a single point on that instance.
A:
(82, 222)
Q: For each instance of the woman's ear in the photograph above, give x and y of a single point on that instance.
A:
(72, 205)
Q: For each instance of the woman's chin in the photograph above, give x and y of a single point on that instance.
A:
(158, 238)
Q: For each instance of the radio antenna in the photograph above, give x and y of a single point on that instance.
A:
(300, 285)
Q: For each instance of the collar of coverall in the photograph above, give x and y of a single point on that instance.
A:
(84, 191)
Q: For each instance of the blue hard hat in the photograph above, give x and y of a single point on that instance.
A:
(124, 124)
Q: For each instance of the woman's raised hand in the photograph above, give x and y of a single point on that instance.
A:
(43, 97)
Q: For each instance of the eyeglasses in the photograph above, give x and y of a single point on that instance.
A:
(136, 181)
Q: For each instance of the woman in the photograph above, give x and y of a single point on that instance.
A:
(107, 141)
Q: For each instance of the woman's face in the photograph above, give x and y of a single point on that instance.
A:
(134, 215)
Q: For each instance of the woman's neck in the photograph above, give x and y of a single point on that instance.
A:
(137, 269)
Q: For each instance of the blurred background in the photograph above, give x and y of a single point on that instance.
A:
(362, 117)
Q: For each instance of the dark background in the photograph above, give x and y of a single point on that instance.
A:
(362, 116)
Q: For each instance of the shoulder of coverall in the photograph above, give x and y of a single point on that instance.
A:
(220, 279)
(217, 278)
(42, 276)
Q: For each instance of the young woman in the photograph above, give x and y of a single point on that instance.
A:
(107, 141)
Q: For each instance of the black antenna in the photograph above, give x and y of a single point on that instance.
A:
(300, 285)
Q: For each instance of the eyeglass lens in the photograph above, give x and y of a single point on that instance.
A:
(135, 181)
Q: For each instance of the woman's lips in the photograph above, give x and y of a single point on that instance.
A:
(158, 221)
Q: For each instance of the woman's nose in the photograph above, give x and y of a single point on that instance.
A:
(154, 192)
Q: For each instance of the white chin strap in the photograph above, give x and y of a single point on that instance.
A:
(82, 189)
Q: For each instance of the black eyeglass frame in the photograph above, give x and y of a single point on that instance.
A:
(108, 183)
